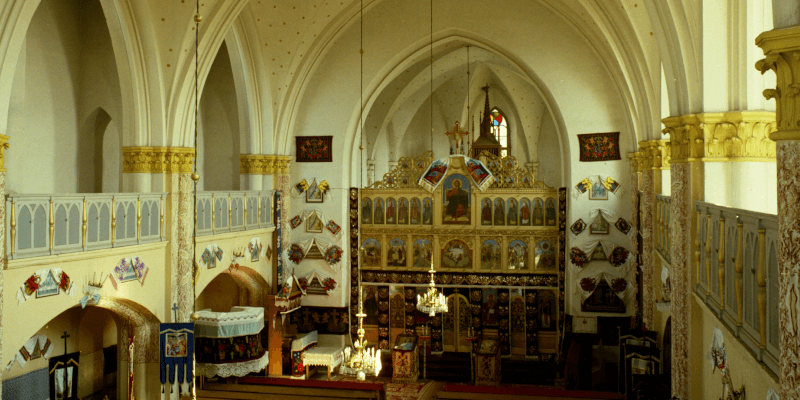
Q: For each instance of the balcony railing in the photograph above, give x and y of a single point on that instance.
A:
(736, 260)
(219, 212)
(39, 225)
(663, 236)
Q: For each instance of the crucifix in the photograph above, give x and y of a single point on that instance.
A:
(66, 391)
(175, 310)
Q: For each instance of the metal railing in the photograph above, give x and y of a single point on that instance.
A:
(736, 260)
(39, 225)
(219, 212)
(662, 226)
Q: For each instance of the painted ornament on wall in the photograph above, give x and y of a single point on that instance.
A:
(254, 248)
(599, 146)
(314, 148)
(211, 255)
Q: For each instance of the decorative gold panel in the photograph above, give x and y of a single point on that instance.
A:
(732, 136)
(261, 164)
(508, 173)
(406, 174)
(157, 159)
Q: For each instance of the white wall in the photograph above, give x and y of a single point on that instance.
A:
(65, 72)
(218, 125)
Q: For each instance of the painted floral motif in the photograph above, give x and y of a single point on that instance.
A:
(618, 256)
(578, 257)
(296, 253)
(333, 255)
(619, 285)
(588, 284)
(64, 282)
(32, 284)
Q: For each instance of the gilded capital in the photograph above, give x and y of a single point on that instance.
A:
(633, 161)
(721, 137)
(782, 53)
(3, 146)
(171, 160)
(261, 164)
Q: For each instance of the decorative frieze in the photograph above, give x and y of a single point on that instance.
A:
(261, 164)
(153, 160)
(715, 137)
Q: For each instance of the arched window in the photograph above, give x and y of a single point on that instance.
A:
(500, 131)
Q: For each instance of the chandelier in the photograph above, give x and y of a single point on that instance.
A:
(362, 361)
(432, 302)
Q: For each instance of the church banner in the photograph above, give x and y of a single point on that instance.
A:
(176, 343)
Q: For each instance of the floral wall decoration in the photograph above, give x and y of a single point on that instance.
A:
(211, 255)
(254, 248)
(44, 283)
(317, 283)
(130, 269)
(36, 347)
(618, 256)
(619, 285)
(329, 252)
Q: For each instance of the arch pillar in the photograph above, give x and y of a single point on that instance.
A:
(782, 50)
(3, 146)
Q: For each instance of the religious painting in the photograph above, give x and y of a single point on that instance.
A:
(397, 310)
(599, 146)
(545, 255)
(372, 252)
(314, 223)
(599, 226)
(623, 226)
(517, 255)
(314, 148)
(370, 293)
(550, 212)
(598, 192)
(396, 253)
(301, 186)
(524, 212)
(477, 171)
(512, 214)
(489, 308)
(435, 173)
(490, 254)
(427, 211)
(64, 376)
(402, 211)
(456, 254)
(415, 212)
(176, 344)
(423, 250)
(378, 211)
(547, 309)
(499, 212)
(333, 227)
(49, 286)
(314, 194)
(295, 222)
(391, 211)
(486, 211)
(538, 212)
(456, 200)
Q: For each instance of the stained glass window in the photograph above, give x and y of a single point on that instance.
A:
(500, 130)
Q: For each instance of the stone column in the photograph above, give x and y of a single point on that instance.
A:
(282, 183)
(3, 146)
(648, 258)
(172, 166)
(633, 169)
(782, 50)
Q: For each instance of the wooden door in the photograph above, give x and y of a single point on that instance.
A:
(455, 324)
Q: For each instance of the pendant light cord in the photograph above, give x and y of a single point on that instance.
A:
(197, 20)
(431, 82)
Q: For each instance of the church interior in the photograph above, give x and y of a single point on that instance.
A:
(577, 199)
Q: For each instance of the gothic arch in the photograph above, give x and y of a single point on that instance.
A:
(253, 288)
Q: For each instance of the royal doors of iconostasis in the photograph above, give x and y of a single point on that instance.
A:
(455, 323)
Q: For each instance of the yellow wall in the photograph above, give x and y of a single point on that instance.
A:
(744, 368)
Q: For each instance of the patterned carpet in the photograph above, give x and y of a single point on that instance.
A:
(403, 391)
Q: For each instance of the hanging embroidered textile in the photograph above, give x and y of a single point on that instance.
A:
(210, 255)
(46, 282)
(254, 248)
(599, 146)
(607, 183)
(316, 248)
(176, 349)
(64, 376)
(36, 347)
(130, 269)
(313, 226)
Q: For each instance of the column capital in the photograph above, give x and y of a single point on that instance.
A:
(633, 162)
(169, 160)
(3, 146)
(262, 164)
(656, 154)
(782, 50)
(721, 136)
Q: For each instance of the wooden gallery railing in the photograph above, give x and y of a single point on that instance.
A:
(735, 254)
(661, 230)
(40, 225)
(219, 212)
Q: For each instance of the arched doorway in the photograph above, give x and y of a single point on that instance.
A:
(455, 324)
